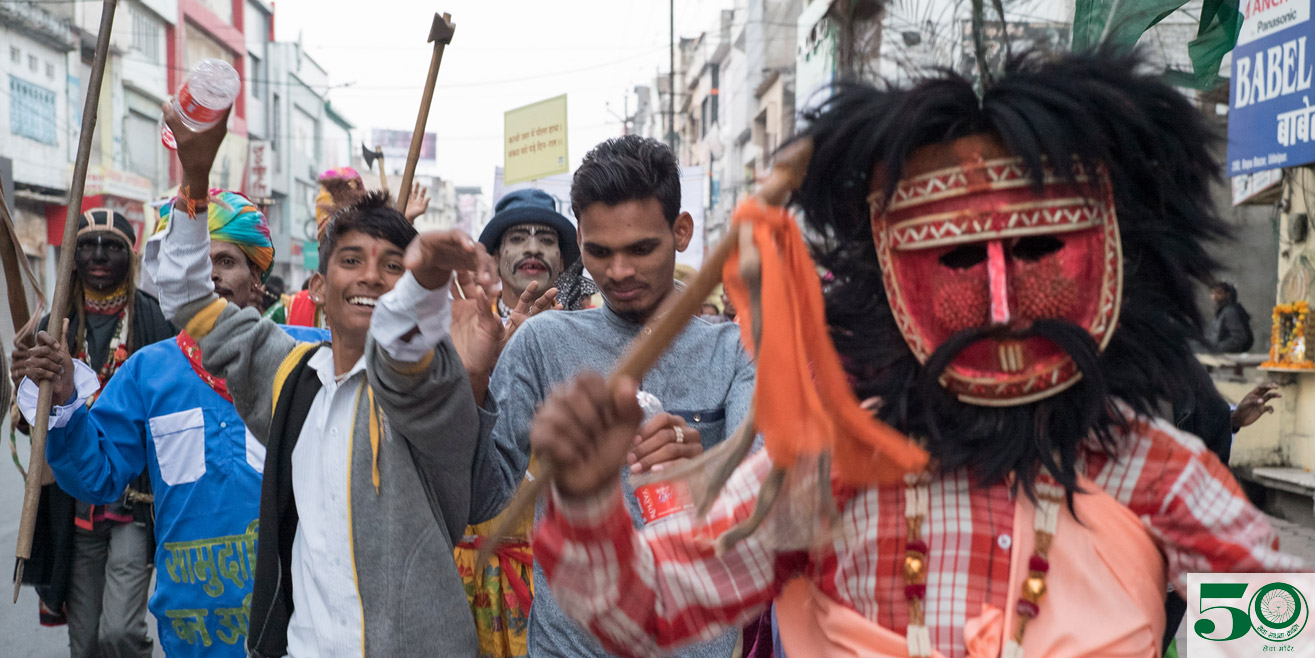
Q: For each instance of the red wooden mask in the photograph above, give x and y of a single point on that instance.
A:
(966, 242)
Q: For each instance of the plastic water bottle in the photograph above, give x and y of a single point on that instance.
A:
(210, 88)
(659, 499)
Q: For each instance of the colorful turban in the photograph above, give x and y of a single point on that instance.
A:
(235, 220)
(339, 187)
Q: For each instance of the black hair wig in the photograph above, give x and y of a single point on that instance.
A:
(372, 214)
(1097, 109)
(629, 168)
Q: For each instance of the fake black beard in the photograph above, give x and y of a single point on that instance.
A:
(994, 442)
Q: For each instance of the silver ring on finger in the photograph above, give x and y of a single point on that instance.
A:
(680, 434)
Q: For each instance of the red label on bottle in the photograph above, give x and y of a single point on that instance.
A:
(196, 111)
(662, 499)
(167, 138)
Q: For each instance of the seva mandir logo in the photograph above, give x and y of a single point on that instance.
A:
(1245, 614)
(1278, 612)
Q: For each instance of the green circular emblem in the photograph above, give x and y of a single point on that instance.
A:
(1278, 612)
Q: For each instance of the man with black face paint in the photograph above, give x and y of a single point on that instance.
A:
(94, 561)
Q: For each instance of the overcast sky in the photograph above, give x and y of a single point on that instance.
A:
(506, 53)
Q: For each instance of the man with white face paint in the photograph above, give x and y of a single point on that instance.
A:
(532, 243)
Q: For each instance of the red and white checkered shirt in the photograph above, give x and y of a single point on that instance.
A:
(665, 587)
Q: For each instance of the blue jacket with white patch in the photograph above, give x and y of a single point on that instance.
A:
(205, 467)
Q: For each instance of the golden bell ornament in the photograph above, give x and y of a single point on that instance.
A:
(913, 568)
(1034, 588)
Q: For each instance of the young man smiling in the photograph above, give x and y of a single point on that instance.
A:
(626, 195)
(165, 413)
(361, 437)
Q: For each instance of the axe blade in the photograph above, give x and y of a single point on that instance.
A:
(369, 156)
(442, 29)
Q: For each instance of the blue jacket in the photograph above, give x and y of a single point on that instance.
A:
(158, 414)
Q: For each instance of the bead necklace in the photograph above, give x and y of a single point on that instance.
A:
(917, 503)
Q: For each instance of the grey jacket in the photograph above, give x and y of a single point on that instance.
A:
(413, 599)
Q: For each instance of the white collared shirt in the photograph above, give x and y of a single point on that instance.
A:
(327, 616)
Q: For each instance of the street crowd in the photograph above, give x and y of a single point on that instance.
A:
(1006, 281)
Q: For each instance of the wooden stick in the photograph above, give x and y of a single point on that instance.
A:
(383, 177)
(786, 176)
(10, 252)
(59, 305)
(441, 34)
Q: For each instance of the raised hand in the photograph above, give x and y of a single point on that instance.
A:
(417, 203)
(477, 331)
(196, 150)
(585, 432)
(531, 303)
(433, 255)
(1255, 405)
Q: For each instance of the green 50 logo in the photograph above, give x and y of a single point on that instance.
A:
(1276, 611)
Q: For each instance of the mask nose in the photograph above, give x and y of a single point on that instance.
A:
(999, 280)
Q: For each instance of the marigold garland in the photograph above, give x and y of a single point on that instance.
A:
(1294, 350)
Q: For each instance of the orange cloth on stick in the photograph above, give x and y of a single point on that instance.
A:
(804, 404)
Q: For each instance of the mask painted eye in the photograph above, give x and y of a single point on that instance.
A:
(1036, 247)
(964, 257)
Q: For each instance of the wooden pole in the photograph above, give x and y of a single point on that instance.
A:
(59, 305)
(10, 252)
(383, 176)
(441, 34)
(786, 176)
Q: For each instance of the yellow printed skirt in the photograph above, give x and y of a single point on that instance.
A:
(501, 594)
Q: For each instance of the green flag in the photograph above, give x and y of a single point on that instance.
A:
(1121, 23)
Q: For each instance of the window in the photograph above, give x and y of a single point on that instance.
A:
(200, 46)
(142, 145)
(275, 124)
(15, 55)
(706, 114)
(33, 63)
(303, 134)
(32, 111)
(223, 9)
(146, 34)
(255, 76)
(50, 70)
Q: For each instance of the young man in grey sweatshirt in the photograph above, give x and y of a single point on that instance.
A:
(626, 196)
(371, 441)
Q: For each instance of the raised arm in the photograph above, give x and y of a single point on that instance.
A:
(236, 344)
(422, 384)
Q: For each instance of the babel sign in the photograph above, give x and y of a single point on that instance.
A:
(1271, 101)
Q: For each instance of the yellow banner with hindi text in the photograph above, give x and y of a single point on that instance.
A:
(534, 141)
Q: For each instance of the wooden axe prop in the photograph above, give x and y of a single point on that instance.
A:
(370, 157)
(59, 305)
(440, 34)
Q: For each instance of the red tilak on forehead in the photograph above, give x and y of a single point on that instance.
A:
(374, 251)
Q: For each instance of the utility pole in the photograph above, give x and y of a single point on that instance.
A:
(671, 83)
